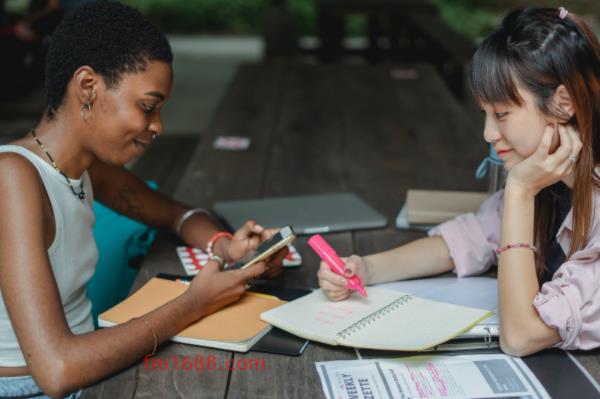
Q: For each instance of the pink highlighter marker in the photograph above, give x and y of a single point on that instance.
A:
(324, 250)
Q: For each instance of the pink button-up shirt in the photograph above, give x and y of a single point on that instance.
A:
(570, 302)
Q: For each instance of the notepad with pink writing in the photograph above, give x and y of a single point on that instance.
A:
(386, 319)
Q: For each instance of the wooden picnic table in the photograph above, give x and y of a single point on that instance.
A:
(314, 129)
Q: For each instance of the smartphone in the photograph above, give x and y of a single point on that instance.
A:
(282, 238)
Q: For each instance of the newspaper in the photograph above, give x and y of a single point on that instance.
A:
(425, 377)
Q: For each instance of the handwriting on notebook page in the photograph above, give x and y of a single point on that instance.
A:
(333, 313)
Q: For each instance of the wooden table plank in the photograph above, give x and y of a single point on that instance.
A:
(305, 153)
(304, 156)
(249, 108)
(285, 376)
(411, 134)
(184, 382)
(120, 385)
(304, 159)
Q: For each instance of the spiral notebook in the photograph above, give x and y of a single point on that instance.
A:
(480, 291)
(386, 320)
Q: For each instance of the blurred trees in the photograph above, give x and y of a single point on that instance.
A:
(476, 18)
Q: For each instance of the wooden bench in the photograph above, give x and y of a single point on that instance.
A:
(433, 40)
(412, 31)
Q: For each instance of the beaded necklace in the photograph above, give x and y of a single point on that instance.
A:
(81, 193)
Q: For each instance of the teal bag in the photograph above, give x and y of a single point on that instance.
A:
(120, 240)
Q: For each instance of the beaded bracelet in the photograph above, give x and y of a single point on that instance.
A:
(217, 259)
(214, 239)
(516, 245)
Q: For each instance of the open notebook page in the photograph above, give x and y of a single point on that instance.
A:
(416, 324)
(317, 318)
(480, 291)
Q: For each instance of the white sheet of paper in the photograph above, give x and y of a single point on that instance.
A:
(429, 377)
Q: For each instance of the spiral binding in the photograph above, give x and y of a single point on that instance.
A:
(488, 338)
(365, 321)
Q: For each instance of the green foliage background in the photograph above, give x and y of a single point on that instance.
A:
(475, 21)
(188, 16)
(475, 18)
(244, 16)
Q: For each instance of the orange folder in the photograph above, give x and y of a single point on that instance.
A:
(236, 327)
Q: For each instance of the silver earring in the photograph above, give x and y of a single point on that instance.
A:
(87, 106)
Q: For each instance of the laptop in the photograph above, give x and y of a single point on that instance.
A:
(308, 214)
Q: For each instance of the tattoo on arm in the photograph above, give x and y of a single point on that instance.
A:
(128, 201)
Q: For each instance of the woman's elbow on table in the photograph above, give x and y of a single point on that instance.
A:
(527, 338)
(515, 345)
(52, 377)
(53, 370)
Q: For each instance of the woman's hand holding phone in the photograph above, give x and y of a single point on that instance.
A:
(544, 167)
(247, 239)
(213, 289)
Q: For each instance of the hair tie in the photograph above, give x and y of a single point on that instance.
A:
(562, 12)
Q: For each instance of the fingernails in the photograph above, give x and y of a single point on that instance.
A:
(347, 272)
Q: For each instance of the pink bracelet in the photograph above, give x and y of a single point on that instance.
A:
(214, 239)
(516, 245)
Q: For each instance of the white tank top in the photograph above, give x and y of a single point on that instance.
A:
(73, 253)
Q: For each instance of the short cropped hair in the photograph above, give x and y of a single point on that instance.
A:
(110, 37)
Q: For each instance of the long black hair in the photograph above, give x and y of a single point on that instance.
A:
(538, 50)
